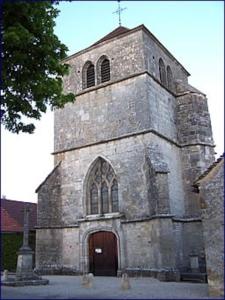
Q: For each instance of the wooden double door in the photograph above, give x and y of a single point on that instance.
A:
(103, 258)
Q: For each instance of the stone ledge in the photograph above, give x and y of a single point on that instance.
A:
(57, 226)
(14, 282)
(160, 274)
(194, 277)
(128, 135)
(162, 216)
(186, 220)
(54, 270)
(104, 217)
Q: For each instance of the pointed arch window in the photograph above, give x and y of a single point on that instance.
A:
(169, 78)
(162, 72)
(102, 189)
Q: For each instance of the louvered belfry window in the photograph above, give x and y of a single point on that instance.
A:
(105, 70)
(102, 189)
(90, 76)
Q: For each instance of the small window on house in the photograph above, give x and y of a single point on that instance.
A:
(105, 70)
(169, 78)
(162, 72)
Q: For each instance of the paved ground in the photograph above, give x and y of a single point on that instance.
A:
(69, 287)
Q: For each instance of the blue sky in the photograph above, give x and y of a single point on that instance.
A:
(193, 31)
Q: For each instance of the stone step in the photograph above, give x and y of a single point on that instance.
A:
(194, 277)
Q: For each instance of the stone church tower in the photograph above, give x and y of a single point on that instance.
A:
(127, 152)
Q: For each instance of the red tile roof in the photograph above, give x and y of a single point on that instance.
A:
(12, 215)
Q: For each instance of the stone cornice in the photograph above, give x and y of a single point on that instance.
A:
(57, 226)
(112, 82)
(145, 131)
(187, 219)
(161, 216)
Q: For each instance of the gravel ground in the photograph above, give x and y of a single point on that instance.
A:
(69, 287)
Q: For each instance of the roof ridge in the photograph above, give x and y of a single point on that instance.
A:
(114, 33)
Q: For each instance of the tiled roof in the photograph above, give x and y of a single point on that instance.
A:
(12, 215)
(116, 32)
(209, 169)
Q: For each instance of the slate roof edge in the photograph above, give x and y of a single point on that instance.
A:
(208, 170)
(140, 27)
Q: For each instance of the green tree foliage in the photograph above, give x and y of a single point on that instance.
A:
(10, 245)
(32, 69)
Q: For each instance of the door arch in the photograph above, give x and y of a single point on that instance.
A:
(103, 256)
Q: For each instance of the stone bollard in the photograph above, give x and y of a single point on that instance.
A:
(84, 280)
(87, 280)
(5, 275)
(91, 279)
(125, 283)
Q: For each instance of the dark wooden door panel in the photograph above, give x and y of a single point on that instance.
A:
(103, 254)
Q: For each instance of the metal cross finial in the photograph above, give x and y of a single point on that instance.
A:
(118, 11)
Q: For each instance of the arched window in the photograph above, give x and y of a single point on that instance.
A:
(162, 72)
(88, 75)
(103, 69)
(169, 78)
(102, 196)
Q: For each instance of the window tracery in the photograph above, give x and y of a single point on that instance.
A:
(102, 189)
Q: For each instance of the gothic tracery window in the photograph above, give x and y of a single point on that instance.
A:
(102, 189)
(162, 72)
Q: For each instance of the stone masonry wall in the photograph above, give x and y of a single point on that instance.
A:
(212, 197)
(152, 54)
(125, 55)
(195, 134)
(126, 107)
(145, 246)
(49, 200)
(149, 245)
(128, 159)
(195, 160)
(103, 114)
(128, 55)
